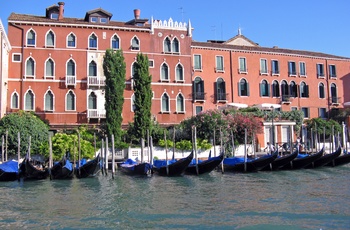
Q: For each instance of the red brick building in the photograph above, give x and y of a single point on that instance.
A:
(55, 69)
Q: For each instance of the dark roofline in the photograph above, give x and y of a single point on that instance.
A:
(264, 49)
(98, 10)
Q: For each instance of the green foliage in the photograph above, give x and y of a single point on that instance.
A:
(295, 115)
(167, 143)
(321, 126)
(183, 145)
(143, 97)
(28, 125)
(114, 68)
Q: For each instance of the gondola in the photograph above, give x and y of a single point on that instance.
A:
(204, 166)
(33, 170)
(88, 168)
(238, 164)
(173, 168)
(62, 169)
(325, 159)
(340, 160)
(9, 170)
(303, 160)
(281, 161)
(132, 167)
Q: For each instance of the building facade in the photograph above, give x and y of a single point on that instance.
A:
(55, 69)
(5, 49)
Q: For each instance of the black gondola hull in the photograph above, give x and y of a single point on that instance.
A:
(251, 166)
(58, 171)
(139, 169)
(205, 166)
(300, 163)
(31, 172)
(279, 162)
(340, 160)
(89, 169)
(176, 169)
(8, 176)
(325, 159)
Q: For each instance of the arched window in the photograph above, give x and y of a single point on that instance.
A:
(220, 90)
(30, 67)
(50, 39)
(165, 103)
(198, 89)
(71, 40)
(264, 89)
(31, 38)
(334, 93)
(321, 93)
(167, 45)
(243, 88)
(285, 89)
(70, 101)
(180, 103)
(179, 73)
(175, 46)
(115, 42)
(15, 101)
(29, 100)
(93, 41)
(293, 89)
(92, 101)
(92, 69)
(49, 101)
(165, 72)
(275, 89)
(49, 68)
(135, 44)
(71, 68)
(304, 90)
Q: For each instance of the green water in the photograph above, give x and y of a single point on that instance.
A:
(301, 199)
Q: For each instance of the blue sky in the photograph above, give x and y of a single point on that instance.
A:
(313, 25)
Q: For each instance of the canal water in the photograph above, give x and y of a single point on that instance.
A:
(300, 199)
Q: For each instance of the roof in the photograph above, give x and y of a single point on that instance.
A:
(240, 40)
(276, 50)
(80, 21)
(98, 10)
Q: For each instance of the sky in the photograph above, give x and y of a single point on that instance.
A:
(311, 25)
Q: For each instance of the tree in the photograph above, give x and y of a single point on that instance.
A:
(114, 69)
(27, 124)
(143, 97)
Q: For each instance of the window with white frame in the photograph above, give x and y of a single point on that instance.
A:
(49, 99)
(30, 67)
(292, 69)
(306, 112)
(49, 68)
(219, 63)
(264, 89)
(275, 89)
(275, 69)
(71, 40)
(263, 66)
(50, 39)
(302, 69)
(321, 92)
(29, 101)
(92, 41)
(92, 69)
(242, 65)
(135, 44)
(179, 72)
(334, 94)
(15, 101)
(332, 71)
(175, 46)
(31, 38)
(167, 45)
(199, 109)
(115, 42)
(304, 90)
(150, 63)
(16, 57)
(322, 113)
(165, 103)
(70, 101)
(92, 101)
(197, 59)
(71, 68)
(180, 104)
(243, 87)
(164, 72)
(320, 70)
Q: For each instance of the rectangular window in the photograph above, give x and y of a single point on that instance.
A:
(263, 67)
(332, 71)
(151, 63)
(305, 111)
(219, 64)
(16, 57)
(54, 16)
(197, 62)
(275, 67)
(322, 113)
(199, 109)
(93, 19)
(242, 65)
(320, 70)
(302, 69)
(292, 69)
(103, 20)
(293, 108)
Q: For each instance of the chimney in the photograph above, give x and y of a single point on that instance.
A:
(61, 10)
(137, 13)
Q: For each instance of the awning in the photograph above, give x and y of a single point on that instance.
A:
(347, 103)
(237, 105)
(268, 106)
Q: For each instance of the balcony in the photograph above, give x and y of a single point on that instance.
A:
(71, 81)
(96, 114)
(285, 99)
(96, 81)
(334, 101)
(221, 97)
(198, 96)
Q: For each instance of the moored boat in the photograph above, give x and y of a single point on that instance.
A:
(172, 167)
(281, 161)
(62, 169)
(303, 160)
(240, 164)
(88, 168)
(9, 170)
(340, 160)
(33, 170)
(204, 166)
(325, 159)
(132, 167)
